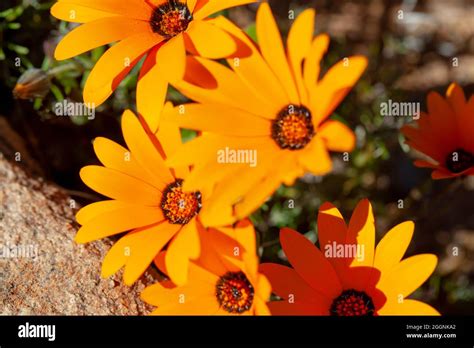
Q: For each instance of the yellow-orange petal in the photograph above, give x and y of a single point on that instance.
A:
(92, 210)
(118, 221)
(160, 294)
(115, 64)
(253, 69)
(136, 9)
(361, 230)
(77, 14)
(202, 305)
(209, 7)
(183, 247)
(143, 150)
(210, 41)
(219, 119)
(408, 307)
(137, 250)
(230, 91)
(171, 58)
(117, 185)
(334, 87)
(315, 158)
(273, 51)
(392, 247)
(408, 275)
(115, 156)
(299, 44)
(337, 136)
(312, 62)
(97, 33)
(151, 91)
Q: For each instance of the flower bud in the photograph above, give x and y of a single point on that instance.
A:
(33, 83)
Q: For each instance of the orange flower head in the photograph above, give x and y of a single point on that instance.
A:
(158, 31)
(349, 275)
(270, 105)
(445, 134)
(147, 200)
(224, 280)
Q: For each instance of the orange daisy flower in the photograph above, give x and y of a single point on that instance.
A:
(223, 281)
(162, 30)
(348, 275)
(147, 198)
(271, 105)
(445, 134)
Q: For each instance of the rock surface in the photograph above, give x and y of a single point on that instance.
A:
(42, 271)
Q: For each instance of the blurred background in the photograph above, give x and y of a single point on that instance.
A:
(413, 46)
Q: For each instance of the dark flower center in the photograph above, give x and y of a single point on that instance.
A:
(234, 292)
(180, 207)
(170, 19)
(293, 128)
(352, 303)
(459, 160)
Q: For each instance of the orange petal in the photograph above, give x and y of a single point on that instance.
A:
(283, 308)
(299, 44)
(256, 197)
(337, 136)
(219, 119)
(151, 91)
(160, 294)
(77, 14)
(315, 158)
(310, 263)
(442, 173)
(136, 9)
(313, 60)
(443, 121)
(118, 221)
(202, 305)
(230, 91)
(210, 41)
(97, 33)
(288, 285)
(114, 156)
(210, 7)
(171, 59)
(116, 185)
(272, 50)
(143, 150)
(114, 64)
(464, 116)
(334, 87)
(98, 208)
(253, 69)
(143, 245)
(331, 229)
(183, 247)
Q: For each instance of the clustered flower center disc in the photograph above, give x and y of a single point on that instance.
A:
(352, 303)
(459, 160)
(293, 128)
(180, 207)
(170, 19)
(234, 292)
